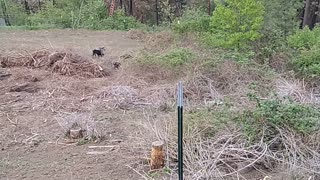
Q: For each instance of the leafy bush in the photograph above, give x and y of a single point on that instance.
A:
(280, 21)
(88, 15)
(305, 38)
(193, 20)
(16, 12)
(172, 59)
(276, 113)
(308, 62)
(235, 23)
(207, 121)
(74, 14)
(119, 21)
(51, 16)
(241, 57)
(281, 17)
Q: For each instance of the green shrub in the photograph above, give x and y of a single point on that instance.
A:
(207, 121)
(172, 59)
(275, 114)
(88, 15)
(236, 23)
(308, 62)
(16, 12)
(281, 18)
(305, 38)
(193, 20)
(77, 14)
(241, 57)
(280, 21)
(51, 16)
(177, 57)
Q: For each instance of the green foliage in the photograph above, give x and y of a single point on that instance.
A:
(236, 23)
(177, 57)
(280, 21)
(207, 121)
(172, 59)
(275, 113)
(241, 57)
(305, 38)
(91, 14)
(51, 16)
(308, 63)
(192, 20)
(16, 12)
(119, 21)
(281, 18)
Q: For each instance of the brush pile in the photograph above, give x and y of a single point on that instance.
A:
(57, 62)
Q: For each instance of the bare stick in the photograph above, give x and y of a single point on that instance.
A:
(50, 43)
(30, 138)
(93, 147)
(14, 123)
(35, 61)
(97, 152)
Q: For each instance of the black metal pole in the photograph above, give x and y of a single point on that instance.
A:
(180, 130)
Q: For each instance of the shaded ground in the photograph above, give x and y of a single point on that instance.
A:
(31, 140)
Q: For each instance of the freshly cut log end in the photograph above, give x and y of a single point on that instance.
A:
(157, 155)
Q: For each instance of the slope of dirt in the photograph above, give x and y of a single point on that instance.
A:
(32, 142)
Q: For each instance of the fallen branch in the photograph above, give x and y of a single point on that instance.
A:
(93, 147)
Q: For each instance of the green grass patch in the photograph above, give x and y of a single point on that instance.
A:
(271, 115)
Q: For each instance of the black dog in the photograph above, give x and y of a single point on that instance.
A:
(116, 65)
(98, 52)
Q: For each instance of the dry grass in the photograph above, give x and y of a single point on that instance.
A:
(84, 121)
(228, 155)
(128, 97)
(296, 90)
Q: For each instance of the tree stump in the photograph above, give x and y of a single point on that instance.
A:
(157, 155)
(76, 133)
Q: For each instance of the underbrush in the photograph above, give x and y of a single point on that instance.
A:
(306, 43)
(230, 135)
(192, 21)
(274, 115)
(307, 63)
(167, 65)
(222, 143)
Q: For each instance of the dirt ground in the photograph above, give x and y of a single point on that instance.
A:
(32, 142)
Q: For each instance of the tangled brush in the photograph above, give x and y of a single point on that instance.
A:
(58, 62)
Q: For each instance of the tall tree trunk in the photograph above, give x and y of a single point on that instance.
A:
(121, 4)
(131, 7)
(209, 7)
(179, 7)
(317, 19)
(26, 7)
(306, 17)
(157, 12)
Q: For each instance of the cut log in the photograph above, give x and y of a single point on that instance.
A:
(76, 133)
(157, 155)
